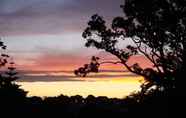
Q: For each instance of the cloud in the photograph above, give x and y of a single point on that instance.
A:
(51, 16)
(30, 52)
(49, 76)
(52, 61)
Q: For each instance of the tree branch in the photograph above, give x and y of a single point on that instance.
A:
(146, 54)
(130, 68)
(111, 62)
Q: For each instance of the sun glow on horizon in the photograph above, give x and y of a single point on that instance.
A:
(110, 87)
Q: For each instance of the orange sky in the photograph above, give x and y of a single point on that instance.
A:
(72, 62)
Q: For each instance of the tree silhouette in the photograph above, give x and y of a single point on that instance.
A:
(3, 61)
(10, 92)
(155, 29)
(10, 75)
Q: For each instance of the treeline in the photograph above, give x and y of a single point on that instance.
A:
(153, 105)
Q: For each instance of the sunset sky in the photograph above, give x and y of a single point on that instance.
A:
(46, 34)
(44, 37)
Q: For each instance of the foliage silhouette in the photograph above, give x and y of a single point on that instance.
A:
(10, 93)
(91, 106)
(156, 30)
(91, 67)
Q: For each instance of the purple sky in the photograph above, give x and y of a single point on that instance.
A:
(40, 29)
(28, 17)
